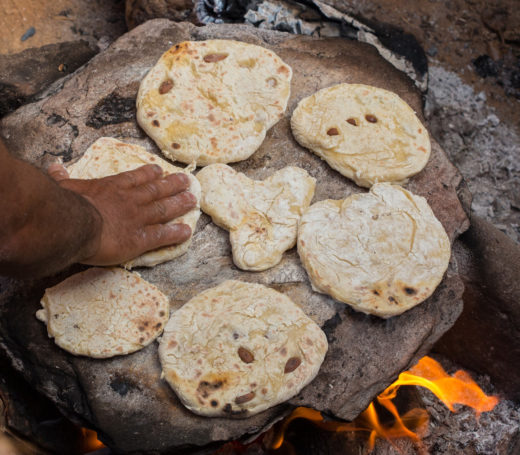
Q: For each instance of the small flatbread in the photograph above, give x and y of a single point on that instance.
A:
(382, 252)
(261, 216)
(238, 349)
(366, 133)
(213, 101)
(108, 156)
(103, 312)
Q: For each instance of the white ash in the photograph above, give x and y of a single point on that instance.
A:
(493, 433)
(485, 150)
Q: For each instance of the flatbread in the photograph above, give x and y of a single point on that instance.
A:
(108, 156)
(381, 252)
(366, 133)
(238, 349)
(103, 312)
(213, 101)
(261, 216)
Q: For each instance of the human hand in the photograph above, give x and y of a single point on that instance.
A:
(134, 208)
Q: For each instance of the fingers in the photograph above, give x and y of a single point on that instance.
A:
(169, 208)
(139, 176)
(57, 172)
(161, 188)
(165, 234)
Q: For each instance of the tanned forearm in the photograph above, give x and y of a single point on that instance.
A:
(43, 227)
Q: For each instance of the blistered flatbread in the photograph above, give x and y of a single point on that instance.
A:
(261, 216)
(238, 349)
(381, 252)
(366, 133)
(108, 156)
(213, 101)
(103, 312)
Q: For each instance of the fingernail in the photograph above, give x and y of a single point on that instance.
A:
(157, 169)
(183, 178)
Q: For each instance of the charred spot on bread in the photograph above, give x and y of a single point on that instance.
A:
(410, 291)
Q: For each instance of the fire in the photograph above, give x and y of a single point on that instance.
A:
(90, 442)
(451, 390)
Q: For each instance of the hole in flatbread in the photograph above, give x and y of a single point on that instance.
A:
(332, 132)
(271, 82)
(375, 292)
(292, 364)
(410, 291)
(352, 121)
(214, 403)
(245, 398)
(165, 86)
(371, 118)
(392, 299)
(245, 355)
(215, 57)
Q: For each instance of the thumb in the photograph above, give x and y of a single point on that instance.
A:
(57, 172)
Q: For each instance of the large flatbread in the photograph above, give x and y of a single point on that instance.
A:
(262, 216)
(239, 348)
(366, 133)
(103, 312)
(381, 252)
(108, 156)
(213, 101)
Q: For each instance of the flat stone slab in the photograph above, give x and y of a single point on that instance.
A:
(124, 397)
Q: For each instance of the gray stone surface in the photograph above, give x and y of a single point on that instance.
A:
(124, 397)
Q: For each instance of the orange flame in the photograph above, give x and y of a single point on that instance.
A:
(90, 441)
(451, 390)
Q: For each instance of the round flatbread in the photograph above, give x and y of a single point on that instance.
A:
(366, 133)
(382, 252)
(103, 312)
(238, 349)
(213, 101)
(261, 216)
(108, 156)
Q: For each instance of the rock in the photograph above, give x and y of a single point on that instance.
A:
(25, 74)
(124, 397)
(139, 11)
(486, 337)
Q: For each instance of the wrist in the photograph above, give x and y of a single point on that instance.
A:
(92, 223)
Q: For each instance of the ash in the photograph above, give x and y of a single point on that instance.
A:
(484, 149)
(494, 433)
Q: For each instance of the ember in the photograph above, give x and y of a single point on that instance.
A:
(451, 390)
